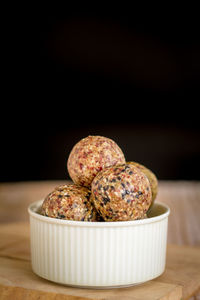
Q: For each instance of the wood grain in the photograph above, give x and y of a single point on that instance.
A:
(183, 198)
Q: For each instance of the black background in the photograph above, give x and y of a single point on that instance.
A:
(127, 76)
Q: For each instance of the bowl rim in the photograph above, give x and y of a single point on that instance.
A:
(45, 219)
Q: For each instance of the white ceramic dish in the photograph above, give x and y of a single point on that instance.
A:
(99, 254)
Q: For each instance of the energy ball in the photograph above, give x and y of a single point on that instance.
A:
(151, 176)
(69, 202)
(91, 155)
(121, 193)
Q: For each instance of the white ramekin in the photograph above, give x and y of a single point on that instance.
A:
(99, 254)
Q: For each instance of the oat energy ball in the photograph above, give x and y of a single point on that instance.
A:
(121, 193)
(91, 155)
(151, 176)
(70, 202)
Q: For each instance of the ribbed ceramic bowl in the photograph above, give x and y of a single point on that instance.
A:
(99, 254)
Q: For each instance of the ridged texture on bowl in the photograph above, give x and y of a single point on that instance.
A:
(98, 256)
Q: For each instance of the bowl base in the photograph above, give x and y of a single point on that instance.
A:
(104, 287)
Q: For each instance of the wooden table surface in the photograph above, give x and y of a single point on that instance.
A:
(180, 280)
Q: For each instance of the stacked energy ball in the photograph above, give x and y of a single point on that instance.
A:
(105, 187)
